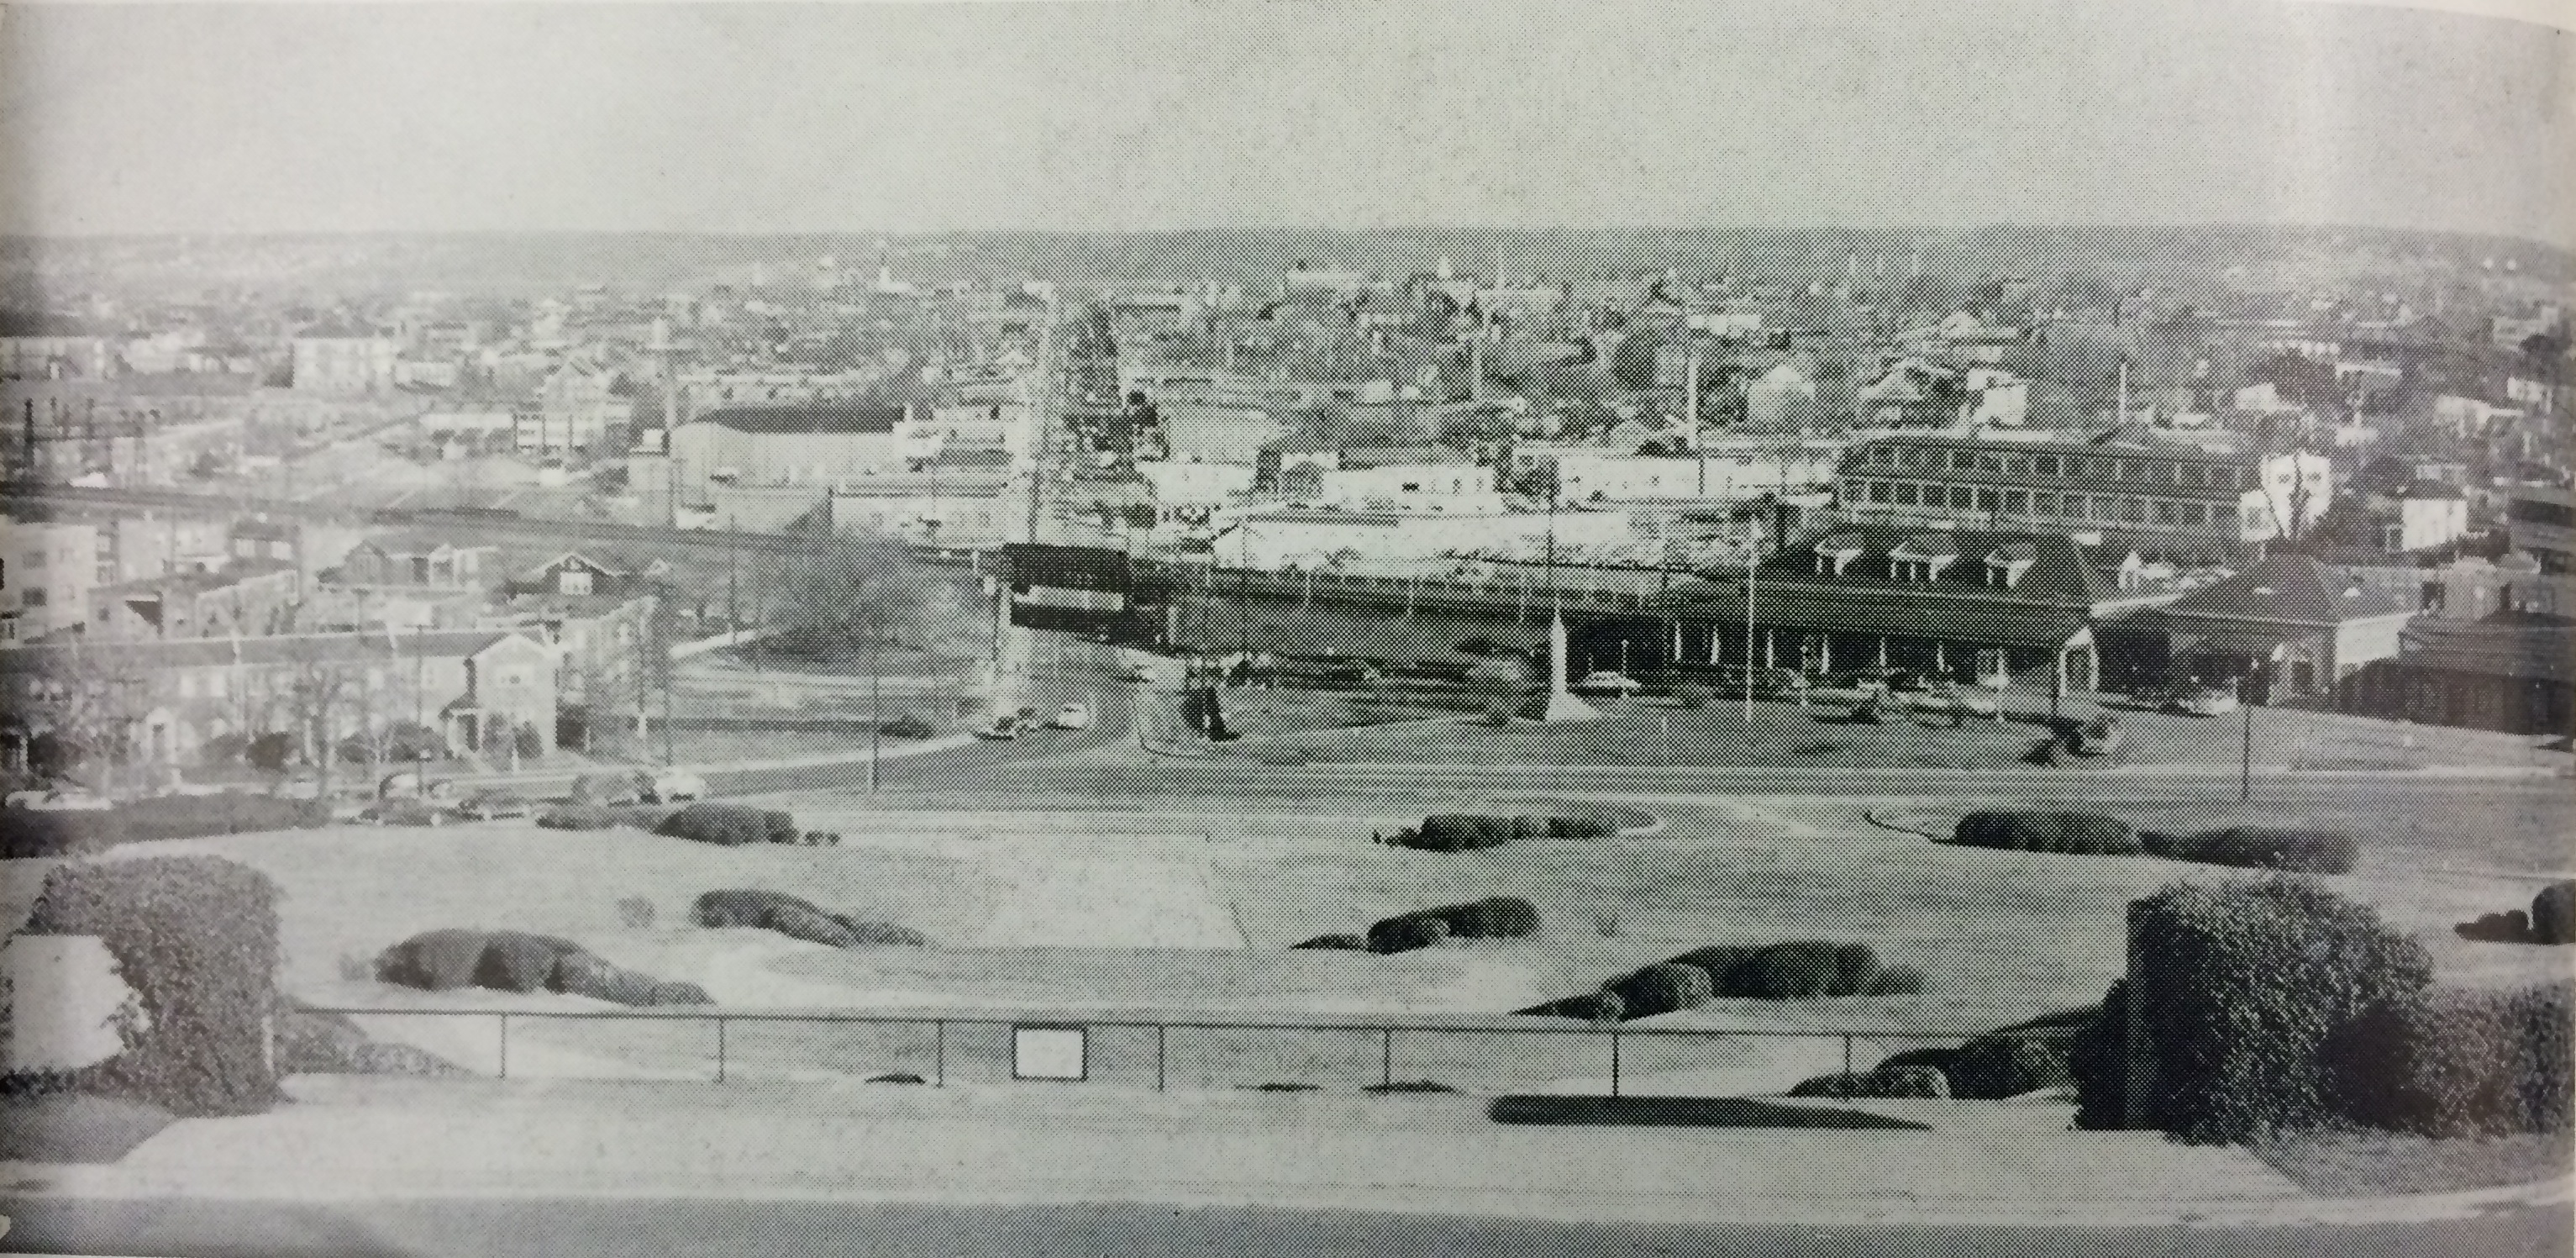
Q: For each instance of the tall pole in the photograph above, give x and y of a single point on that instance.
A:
(1752, 561)
(876, 714)
(662, 662)
(1690, 394)
(733, 543)
(2245, 762)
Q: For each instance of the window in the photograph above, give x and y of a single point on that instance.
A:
(1962, 498)
(1878, 491)
(2133, 510)
(573, 581)
(1906, 494)
(2017, 502)
(2044, 464)
(1963, 461)
(1989, 500)
(2165, 513)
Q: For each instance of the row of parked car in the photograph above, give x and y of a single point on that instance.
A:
(404, 799)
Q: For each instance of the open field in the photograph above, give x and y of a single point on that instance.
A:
(1649, 732)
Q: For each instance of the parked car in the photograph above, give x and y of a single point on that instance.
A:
(495, 806)
(669, 785)
(1071, 716)
(412, 782)
(1957, 700)
(59, 799)
(2197, 701)
(1003, 728)
(1606, 682)
(2097, 737)
(404, 811)
(1136, 673)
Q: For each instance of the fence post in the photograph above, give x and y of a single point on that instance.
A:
(505, 1046)
(1158, 1056)
(720, 1050)
(939, 1072)
(1386, 1057)
(1614, 1062)
(1847, 1054)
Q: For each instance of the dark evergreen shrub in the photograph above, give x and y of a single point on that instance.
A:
(329, 1043)
(880, 934)
(781, 826)
(745, 907)
(1884, 1083)
(1405, 934)
(576, 817)
(2097, 1059)
(1355, 943)
(1511, 917)
(1797, 970)
(196, 938)
(2553, 914)
(1661, 988)
(1896, 980)
(2090, 834)
(2511, 926)
(1855, 964)
(437, 960)
(514, 961)
(2239, 987)
(812, 927)
(2458, 1062)
(728, 825)
(1994, 1067)
(2264, 847)
(680, 994)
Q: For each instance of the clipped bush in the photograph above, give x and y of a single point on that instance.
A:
(29, 833)
(515, 961)
(2026, 830)
(576, 817)
(1663, 988)
(908, 726)
(680, 994)
(2553, 914)
(1406, 934)
(2263, 847)
(584, 974)
(437, 960)
(880, 934)
(781, 826)
(1579, 828)
(2511, 926)
(1350, 943)
(2097, 1062)
(1797, 969)
(2459, 1062)
(1459, 833)
(1511, 917)
(2238, 987)
(727, 825)
(812, 927)
(1884, 1083)
(1896, 980)
(745, 907)
(329, 1043)
(196, 938)
(1995, 1067)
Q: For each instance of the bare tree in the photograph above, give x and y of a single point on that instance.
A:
(322, 693)
(91, 708)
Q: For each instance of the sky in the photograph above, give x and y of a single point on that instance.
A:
(1141, 114)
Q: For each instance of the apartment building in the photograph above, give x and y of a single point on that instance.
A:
(2172, 490)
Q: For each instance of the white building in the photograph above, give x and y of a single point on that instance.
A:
(46, 574)
(1723, 471)
(343, 361)
(1413, 488)
(1295, 537)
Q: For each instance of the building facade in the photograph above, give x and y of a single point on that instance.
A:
(2173, 490)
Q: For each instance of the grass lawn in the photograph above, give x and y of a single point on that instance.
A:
(1648, 732)
(2371, 1164)
(73, 1128)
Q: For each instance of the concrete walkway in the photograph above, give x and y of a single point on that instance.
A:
(392, 1139)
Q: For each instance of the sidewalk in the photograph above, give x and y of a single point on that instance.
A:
(1040, 1143)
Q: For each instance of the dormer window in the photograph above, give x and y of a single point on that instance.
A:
(2132, 573)
(2006, 566)
(573, 581)
(1922, 557)
(1834, 554)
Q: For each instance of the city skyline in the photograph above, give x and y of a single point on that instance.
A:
(905, 119)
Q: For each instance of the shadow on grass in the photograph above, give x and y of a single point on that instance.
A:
(71, 1127)
(1685, 1111)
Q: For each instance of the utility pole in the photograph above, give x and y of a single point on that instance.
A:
(662, 660)
(733, 543)
(2245, 762)
(1752, 561)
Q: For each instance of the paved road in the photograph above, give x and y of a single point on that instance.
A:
(577, 1228)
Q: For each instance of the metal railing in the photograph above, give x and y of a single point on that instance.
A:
(1118, 1048)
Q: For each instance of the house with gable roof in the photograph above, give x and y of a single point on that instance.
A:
(2288, 628)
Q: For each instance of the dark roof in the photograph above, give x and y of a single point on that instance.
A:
(2539, 652)
(2053, 600)
(835, 416)
(265, 650)
(2288, 589)
(2060, 569)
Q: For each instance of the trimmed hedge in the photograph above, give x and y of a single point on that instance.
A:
(2261, 847)
(2458, 1062)
(2073, 833)
(2240, 985)
(797, 918)
(1995, 1067)
(1798, 969)
(1348, 943)
(331, 1044)
(1884, 1083)
(1461, 832)
(1664, 988)
(1406, 934)
(514, 961)
(2097, 1062)
(1494, 917)
(438, 960)
(2553, 914)
(727, 825)
(29, 833)
(1896, 980)
(196, 938)
(577, 817)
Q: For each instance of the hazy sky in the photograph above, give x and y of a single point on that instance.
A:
(895, 117)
